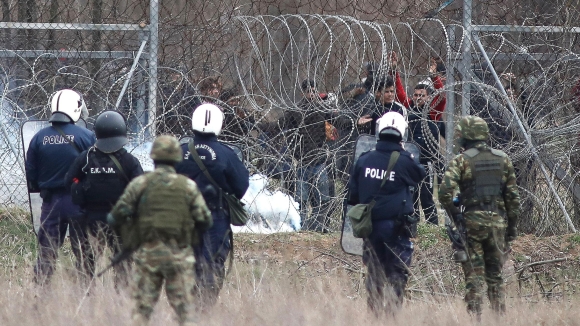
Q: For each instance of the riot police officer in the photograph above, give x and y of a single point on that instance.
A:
(489, 195)
(98, 177)
(232, 177)
(51, 152)
(388, 249)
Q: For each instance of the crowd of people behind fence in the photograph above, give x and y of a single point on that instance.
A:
(175, 221)
(308, 146)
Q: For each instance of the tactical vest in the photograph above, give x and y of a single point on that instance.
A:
(484, 190)
(103, 183)
(164, 210)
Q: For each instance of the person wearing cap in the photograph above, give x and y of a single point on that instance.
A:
(51, 152)
(97, 178)
(388, 249)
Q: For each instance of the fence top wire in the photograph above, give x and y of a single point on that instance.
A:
(262, 61)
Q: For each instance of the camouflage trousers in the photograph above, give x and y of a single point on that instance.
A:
(485, 247)
(156, 262)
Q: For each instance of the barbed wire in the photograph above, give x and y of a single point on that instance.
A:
(262, 52)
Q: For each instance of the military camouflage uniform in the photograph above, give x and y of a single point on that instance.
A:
(485, 218)
(165, 251)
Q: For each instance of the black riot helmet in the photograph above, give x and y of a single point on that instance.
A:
(111, 131)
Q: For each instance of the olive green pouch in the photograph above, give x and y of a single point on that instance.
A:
(360, 215)
(360, 219)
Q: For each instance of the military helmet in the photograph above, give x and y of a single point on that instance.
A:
(472, 128)
(166, 149)
(111, 131)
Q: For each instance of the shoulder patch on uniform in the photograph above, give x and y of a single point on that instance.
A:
(497, 152)
(471, 152)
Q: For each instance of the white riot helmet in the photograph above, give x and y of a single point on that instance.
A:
(207, 118)
(392, 125)
(66, 105)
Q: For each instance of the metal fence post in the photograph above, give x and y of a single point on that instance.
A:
(450, 97)
(153, 47)
(526, 134)
(466, 58)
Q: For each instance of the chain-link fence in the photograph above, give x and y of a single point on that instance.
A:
(253, 57)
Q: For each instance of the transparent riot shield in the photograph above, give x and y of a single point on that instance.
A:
(349, 243)
(27, 131)
(235, 148)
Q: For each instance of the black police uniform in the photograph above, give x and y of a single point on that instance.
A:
(388, 249)
(425, 133)
(100, 184)
(232, 176)
(47, 160)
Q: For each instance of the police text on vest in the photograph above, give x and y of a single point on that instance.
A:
(57, 139)
(378, 174)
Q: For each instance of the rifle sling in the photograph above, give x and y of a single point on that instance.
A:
(66, 138)
(202, 166)
(392, 161)
(119, 166)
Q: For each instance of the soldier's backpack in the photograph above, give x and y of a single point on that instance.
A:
(164, 211)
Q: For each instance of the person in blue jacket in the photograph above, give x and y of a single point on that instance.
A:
(388, 249)
(51, 152)
(232, 177)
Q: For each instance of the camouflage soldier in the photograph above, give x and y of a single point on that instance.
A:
(486, 179)
(168, 208)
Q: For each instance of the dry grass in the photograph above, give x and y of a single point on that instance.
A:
(297, 279)
(257, 295)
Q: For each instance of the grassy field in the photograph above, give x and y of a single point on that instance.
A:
(298, 279)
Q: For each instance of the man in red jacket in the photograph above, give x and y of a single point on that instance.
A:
(437, 105)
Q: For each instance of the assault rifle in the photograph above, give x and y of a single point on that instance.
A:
(130, 242)
(455, 225)
(117, 259)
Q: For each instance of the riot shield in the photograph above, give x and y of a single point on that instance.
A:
(412, 148)
(27, 131)
(349, 243)
(235, 148)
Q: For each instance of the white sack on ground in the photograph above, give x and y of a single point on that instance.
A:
(270, 211)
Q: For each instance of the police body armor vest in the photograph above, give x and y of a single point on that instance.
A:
(484, 190)
(103, 183)
(164, 212)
